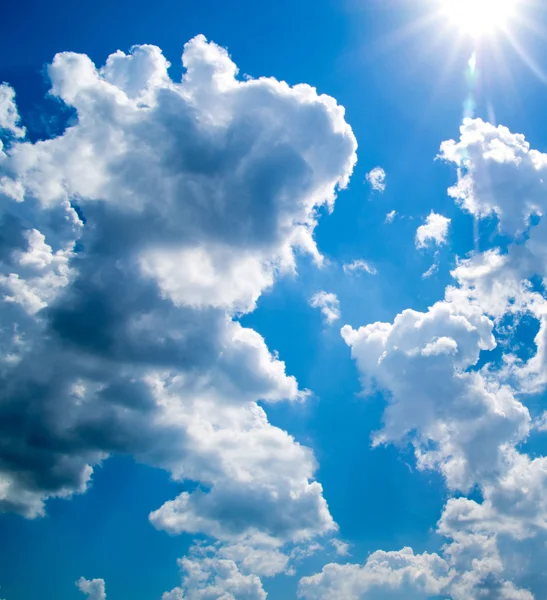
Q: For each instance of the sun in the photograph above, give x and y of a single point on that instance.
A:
(480, 17)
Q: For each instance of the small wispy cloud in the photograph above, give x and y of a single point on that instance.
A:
(377, 179)
(360, 266)
(341, 548)
(390, 217)
(432, 269)
(540, 424)
(328, 304)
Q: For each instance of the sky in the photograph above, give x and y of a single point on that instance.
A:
(273, 300)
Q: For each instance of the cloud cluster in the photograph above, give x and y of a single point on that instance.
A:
(465, 417)
(129, 245)
(205, 575)
(462, 421)
(470, 569)
(500, 176)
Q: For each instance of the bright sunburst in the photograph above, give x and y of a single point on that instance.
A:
(480, 17)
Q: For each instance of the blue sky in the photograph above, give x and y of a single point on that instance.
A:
(181, 419)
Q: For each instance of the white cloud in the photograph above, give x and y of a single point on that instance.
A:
(390, 216)
(206, 576)
(119, 332)
(433, 232)
(258, 554)
(342, 548)
(431, 271)
(463, 419)
(377, 179)
(403, 575)
(174, 594)
(470, 566)
(94, 588)
(328, 304)
(359, 265)
(305, 551)
(440, 345)
(118, 329)
(498, 174)
(9, 116)
(42, 274)
(467, 422)
(541, 422)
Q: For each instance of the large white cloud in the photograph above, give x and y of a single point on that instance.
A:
(469, 570)
(498, 173)
(459, 420)
(128, 245)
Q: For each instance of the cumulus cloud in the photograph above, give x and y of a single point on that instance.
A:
(390, 217)
(328, 304)
(433, 232)
(469, 569)
(377, 179)
(467, 424)
(94, 589)
(129, 244)
(463, 418)
(359, 266)
(465, 421)
(500, 175)
(391, 575)
(206, 575)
